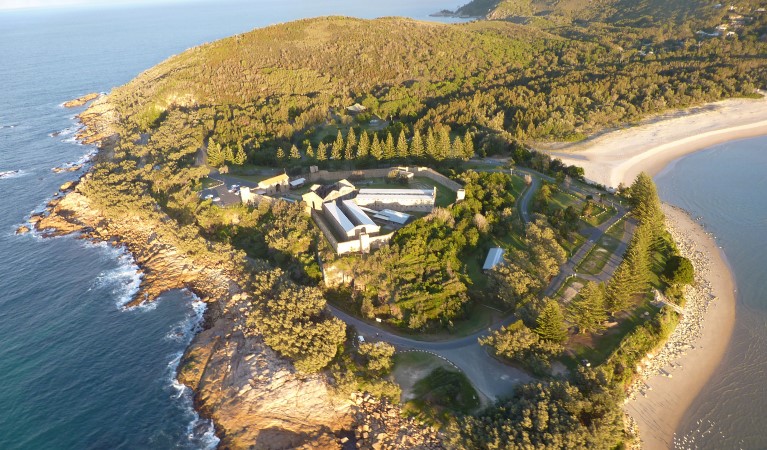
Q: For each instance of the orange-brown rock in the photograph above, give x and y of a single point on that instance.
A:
(80, 101)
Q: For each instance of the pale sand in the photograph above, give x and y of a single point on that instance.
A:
(619, 156)
(690, 359)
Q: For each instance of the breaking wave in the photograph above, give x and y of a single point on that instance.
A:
(200, 433)
(124, 280)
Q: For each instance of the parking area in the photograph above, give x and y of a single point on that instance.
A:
(226, 192)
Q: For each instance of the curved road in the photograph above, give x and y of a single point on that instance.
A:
(489, 376)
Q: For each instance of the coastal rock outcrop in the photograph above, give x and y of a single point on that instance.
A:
(81, 100)
(255, 398)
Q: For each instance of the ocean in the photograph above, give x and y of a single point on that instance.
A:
(726, 188)
(79, 371)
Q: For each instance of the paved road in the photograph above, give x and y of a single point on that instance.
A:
(567, 270)
(524, 203)
(489, 376)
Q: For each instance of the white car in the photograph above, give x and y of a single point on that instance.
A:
(209, 196)
(216, 199)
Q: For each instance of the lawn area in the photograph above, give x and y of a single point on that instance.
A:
(597, 258)
(432, 389)
(596, 348)
(604, 214)
(573, 243)
(561, 200)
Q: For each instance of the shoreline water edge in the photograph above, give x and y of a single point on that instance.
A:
(674, 376)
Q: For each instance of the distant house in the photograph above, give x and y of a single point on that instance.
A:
(356, 109)
(297, 183)
(272, 185)
(494, 257)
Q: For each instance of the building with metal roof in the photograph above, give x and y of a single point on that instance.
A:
(398, 199)
(338, 220)
(494, 257)
(358, 217)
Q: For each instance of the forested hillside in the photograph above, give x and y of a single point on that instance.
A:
(289, 85)
(635, 13)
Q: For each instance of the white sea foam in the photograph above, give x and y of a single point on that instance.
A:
(200, 433)
(124, 280)
(8, 174)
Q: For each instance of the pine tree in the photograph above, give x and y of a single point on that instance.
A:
(338, 147)
(309, 150)
(402, 150)
(551, 323)
(443, 143)
(240, 158)
(215, 154)
(363, 147)
(587, 309)
(638, 259)
(416, 145)
(619, 289)
(280, 154)
(431, 144)
(468, 145)
(376, 151)
(322, 152)
(228, 154)
(456, 150)
(294, 154)
(351, 143)
(389, 151)
(644, 199)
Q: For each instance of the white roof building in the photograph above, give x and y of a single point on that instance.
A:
(494, 257)
(398, 199)
(358, 217)
(392, 216)
(338, 219)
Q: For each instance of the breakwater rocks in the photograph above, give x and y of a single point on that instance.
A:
(698, 296)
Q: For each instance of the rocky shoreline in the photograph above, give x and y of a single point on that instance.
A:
(255, 398)
(698, 296)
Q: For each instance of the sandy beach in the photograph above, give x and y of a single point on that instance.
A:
(620, 155)
(679, 371)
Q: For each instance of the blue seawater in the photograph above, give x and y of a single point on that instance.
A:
(726, 187)
(77, 371)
